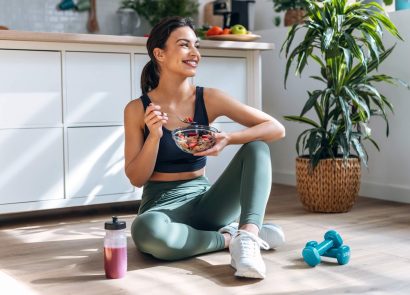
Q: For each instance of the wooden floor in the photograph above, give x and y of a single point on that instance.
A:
(64, 256)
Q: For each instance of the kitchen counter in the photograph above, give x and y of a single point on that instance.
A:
(63, 95)
(119, 40)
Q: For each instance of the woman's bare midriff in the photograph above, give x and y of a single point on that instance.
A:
(161, 176)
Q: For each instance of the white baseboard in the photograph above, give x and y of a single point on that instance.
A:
(69, 202)
(380, 191)
(284, 178)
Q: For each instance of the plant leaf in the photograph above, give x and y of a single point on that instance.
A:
(311, 101)
(360, 150)
(361, 104)
(374, 143)
(302, 120)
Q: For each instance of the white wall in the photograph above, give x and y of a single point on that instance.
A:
(388, 176)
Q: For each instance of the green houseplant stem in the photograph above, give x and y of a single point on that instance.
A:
(346, 41)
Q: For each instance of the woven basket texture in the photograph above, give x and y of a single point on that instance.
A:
(331, 187)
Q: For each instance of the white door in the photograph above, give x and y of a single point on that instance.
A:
(98, 87)
(96, 162)
(31, 162)
(30, 88)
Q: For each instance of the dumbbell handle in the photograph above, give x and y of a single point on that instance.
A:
(324, 246)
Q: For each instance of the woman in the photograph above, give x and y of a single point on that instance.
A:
(181, 214)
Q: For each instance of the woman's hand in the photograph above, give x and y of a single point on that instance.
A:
(222, 140)
(154, 119)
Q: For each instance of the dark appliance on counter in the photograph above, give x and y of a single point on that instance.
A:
(236, 12)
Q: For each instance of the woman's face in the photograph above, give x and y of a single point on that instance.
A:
(180, 54)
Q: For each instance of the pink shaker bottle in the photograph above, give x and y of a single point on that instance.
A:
(115, 249)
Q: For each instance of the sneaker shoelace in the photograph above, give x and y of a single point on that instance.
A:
(250, 243)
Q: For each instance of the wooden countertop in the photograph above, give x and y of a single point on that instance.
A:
(119, 40)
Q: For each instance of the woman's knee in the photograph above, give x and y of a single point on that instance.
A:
(258, 149)
(149, 232)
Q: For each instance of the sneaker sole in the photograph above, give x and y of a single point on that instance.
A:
(248, 273)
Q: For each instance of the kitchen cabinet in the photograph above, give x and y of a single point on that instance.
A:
(98, 86)
(30, 88)
(96, 162)
(31, 161)
(62, 98)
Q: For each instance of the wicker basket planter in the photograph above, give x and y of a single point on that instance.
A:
(332, 187)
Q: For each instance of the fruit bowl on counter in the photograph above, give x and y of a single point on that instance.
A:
(234, 33)
(232, 37)
(195, 138)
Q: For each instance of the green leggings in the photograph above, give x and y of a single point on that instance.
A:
(180, 219)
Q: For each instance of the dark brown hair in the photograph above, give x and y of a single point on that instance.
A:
(157, 39)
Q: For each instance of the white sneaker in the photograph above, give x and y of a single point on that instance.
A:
(270, 233)
(246, 256)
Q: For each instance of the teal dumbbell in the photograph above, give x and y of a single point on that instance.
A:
(342, 253)
(311, 254)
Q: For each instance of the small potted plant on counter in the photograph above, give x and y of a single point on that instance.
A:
(155, 10)
(294, 10)
(346, 42)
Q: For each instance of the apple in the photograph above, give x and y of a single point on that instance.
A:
(239, 30)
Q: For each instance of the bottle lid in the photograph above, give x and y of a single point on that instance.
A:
(115, 224)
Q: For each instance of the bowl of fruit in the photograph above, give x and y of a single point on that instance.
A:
(195, 138)
(235, 33)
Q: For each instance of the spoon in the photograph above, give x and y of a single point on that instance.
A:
(187, 120)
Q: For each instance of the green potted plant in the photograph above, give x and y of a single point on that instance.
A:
(386, 2)
(294, 10)
(345, 40)
(155, 10)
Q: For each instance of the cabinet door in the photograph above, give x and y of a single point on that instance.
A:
(31, 162)
(225, 73)
(96, 162)
(98, 86)
(30, 88)
(140, 60)
(216, 165)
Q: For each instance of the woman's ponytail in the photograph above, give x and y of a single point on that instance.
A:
(149, 77)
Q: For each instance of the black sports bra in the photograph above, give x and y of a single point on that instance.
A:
(170, 158)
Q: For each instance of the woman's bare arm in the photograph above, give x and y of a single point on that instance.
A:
(261, 126)
(140, 156)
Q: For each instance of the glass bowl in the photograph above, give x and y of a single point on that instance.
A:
(194, 138)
